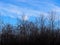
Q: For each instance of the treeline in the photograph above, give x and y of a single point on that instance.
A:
(30, 33)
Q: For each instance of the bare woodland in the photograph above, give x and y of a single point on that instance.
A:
(30, 33)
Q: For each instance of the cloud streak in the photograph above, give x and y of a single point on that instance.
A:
(14, 11)
(9, 9)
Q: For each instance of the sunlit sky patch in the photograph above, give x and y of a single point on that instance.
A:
(16, 8)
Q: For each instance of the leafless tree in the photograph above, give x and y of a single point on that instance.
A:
(52, 19)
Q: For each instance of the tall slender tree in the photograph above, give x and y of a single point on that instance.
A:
(52, 19)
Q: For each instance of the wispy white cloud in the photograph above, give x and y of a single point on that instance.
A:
(15, 11)
(40, 4)
(10, 10)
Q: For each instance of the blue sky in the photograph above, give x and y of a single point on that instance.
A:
(16, 8)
